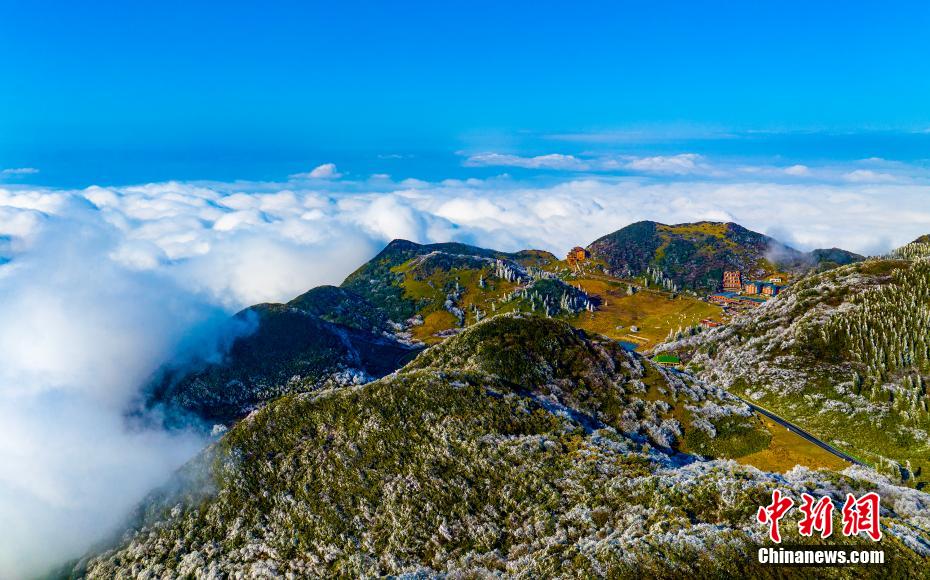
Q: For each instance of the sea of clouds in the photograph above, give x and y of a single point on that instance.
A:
(99, 286)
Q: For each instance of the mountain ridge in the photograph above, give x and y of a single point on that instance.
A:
(406, 296)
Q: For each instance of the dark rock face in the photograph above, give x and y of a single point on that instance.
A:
(326, 336)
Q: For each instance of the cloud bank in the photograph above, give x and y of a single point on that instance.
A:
(98, 286)
(696, 166)
(78, 333)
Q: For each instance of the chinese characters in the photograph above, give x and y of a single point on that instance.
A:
(859, 515)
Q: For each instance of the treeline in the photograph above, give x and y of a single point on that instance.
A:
(912, 251)
(885, 333)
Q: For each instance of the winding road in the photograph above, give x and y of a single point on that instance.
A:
(795, 429)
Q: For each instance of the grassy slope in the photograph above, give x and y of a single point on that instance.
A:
(380, 282)
(788, 449)
(654, 313)
(419, 286)
(428, 287)
(414, 282)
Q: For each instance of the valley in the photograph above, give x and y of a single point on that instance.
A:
(653, 313)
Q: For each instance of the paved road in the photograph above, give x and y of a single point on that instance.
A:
(795, 429)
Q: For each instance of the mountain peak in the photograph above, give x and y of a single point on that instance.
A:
(401, 244)
(693, 255)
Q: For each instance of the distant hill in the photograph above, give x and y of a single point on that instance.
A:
(826, 259)
(438, 289)
(695, 255)
(411, 295)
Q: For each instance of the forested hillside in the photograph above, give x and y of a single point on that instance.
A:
(845, 354)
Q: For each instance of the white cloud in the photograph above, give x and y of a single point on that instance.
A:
(680, 164)
(232, 221)
(551, 161)
(471, 210)
(675, 164)
(79, 331)
(325, 171)
(19, 171)
(868, 176)
(798, 170)
(392, 216)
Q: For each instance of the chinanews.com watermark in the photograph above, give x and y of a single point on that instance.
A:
(859, 517)
(820, 556)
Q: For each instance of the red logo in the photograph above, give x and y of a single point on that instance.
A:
(774, 512)
(859, 515)
(817, 516)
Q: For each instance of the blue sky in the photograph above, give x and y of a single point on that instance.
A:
(124, 92)
(164, 164)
